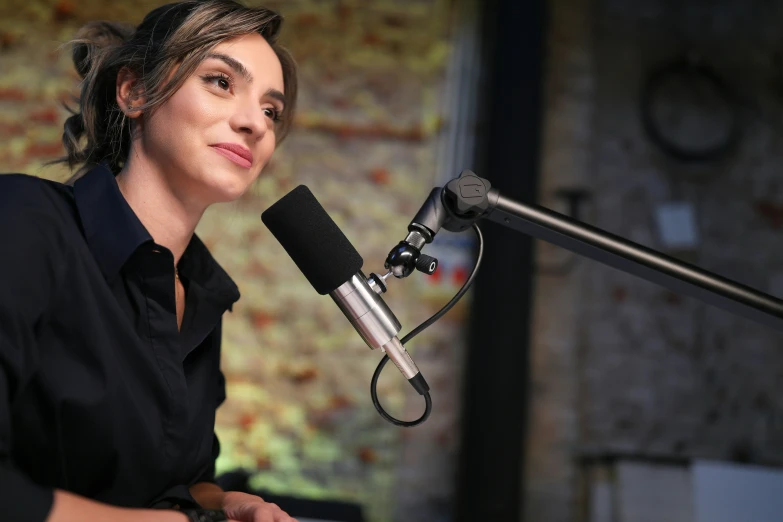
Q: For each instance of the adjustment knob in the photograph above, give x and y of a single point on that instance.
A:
(426, 264)
(468, 193)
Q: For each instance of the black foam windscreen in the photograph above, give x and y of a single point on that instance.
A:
(312, 239)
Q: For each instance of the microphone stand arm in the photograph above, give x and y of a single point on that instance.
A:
(469, 198)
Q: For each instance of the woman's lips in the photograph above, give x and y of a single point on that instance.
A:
(240, 160)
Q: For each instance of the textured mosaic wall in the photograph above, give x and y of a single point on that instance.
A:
(298, 408)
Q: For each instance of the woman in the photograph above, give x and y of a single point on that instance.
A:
(110, 305)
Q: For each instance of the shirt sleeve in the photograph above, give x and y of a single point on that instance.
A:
(27, 277)
(208, 475)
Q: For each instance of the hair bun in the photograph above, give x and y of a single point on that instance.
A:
(94, 37)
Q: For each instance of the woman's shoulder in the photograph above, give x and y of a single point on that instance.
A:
(33, 203)
(23, 193)
(36, 231)
(26, 186)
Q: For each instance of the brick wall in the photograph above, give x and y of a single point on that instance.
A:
(365, 142)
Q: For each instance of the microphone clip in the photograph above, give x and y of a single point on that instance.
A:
(455, 207)
(407, 257)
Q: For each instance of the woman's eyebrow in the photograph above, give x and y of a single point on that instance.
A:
(241, 70)
(276, 95)
(234, 64)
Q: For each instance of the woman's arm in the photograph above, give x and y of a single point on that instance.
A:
(68, 507)
(28, 274)
(31, 271)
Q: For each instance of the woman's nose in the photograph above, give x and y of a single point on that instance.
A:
(250, 120)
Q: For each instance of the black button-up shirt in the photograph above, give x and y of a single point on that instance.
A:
(100, 394)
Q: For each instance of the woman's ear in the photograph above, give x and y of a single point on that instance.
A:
(128, 97)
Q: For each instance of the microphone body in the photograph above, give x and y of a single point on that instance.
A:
(374, 321)
(333, 266)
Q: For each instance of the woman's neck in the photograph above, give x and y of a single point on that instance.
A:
(165, 215)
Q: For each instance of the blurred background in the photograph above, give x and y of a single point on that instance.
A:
(563, 390)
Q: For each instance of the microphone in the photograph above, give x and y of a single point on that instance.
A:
(333, 266)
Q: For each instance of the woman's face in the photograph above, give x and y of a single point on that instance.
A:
(213, 137)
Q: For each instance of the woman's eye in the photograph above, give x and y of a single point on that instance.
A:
(220, 81)
(273, 114)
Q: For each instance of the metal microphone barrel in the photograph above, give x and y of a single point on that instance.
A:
(366, 311)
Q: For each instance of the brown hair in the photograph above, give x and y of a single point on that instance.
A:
(174, 36)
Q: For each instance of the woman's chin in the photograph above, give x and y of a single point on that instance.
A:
(227, 188)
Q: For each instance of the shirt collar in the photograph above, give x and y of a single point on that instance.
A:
(111, 228)
(114, 232)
